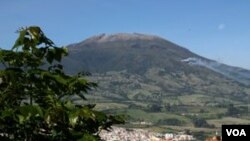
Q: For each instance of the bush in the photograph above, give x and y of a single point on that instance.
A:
(154, 107)
(35, 91)
(200, 122)
(170, 121)
(232, 111)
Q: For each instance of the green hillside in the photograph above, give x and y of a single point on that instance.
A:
(145, 78)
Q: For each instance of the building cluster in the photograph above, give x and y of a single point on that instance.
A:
(124, 134)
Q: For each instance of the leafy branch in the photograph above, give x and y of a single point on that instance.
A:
(34, 91)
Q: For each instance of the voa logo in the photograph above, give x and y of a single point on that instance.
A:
(236, 132)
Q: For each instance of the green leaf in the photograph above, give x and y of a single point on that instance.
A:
(28, 111)
(50, 56)
(20, 39)
(88, 137)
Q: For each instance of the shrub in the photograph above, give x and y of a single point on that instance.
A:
(35, 91)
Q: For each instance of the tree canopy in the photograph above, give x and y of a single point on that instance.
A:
(35, 93)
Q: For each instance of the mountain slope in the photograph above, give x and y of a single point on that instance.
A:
(138, 52)
(235, 73)
(150, 74)
(134, 52)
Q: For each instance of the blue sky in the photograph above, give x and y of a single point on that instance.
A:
(216, 29)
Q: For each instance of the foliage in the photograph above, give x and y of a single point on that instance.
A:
(200, 122)
(155, 108)
(35, 94)
(232, 111)
(170, 121)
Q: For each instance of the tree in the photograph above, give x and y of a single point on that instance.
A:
(170, 121)
(35, 94)
(155, 107)
(232, 110)
(200, 122)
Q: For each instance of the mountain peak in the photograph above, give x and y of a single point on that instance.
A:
(139, 53)
(121, 37)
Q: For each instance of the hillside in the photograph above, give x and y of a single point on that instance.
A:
(133, 52)
(138, 52)
(156, 81)
(154, 61)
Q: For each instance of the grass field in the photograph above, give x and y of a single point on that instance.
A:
(228, 120)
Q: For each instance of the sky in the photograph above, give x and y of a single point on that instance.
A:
(216, 29)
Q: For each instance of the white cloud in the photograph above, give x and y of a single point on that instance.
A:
(221, 26)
